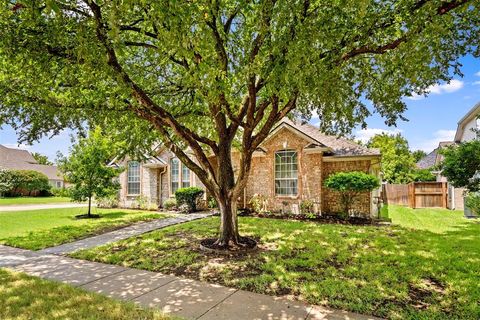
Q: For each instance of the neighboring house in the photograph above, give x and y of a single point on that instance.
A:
(467, 130)
(288, 167)
(17, 159)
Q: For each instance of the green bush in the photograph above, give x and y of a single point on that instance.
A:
(61, 192)
(169, 204)
(351, 185)
(12, 182)
(472, 200)
(110, 201)
(306, 206)
(259, 203)
(189, 197)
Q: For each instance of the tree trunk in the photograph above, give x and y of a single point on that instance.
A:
(228, 233)
(89, 206)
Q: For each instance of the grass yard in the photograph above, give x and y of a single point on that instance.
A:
(32, 200)
(25, 297)
(38, 229)
(420, 269)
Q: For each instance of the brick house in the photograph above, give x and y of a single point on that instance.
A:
(289, 166)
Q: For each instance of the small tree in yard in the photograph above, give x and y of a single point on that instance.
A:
(206, 76)
(188, 197)
(350, 185)
(87, 168)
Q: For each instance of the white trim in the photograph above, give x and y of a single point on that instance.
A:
(349, 158)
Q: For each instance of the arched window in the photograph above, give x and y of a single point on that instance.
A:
(286, 173)
(133, 178)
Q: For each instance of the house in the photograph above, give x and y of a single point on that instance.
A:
(17, 159)
(467, 130)
(288, 167)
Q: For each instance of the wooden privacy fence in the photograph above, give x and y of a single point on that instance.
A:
(416, 194)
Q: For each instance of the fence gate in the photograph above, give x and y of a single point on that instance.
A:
(417, 194)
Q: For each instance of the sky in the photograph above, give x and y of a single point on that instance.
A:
(431, 119)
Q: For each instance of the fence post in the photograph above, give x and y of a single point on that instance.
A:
(444, 195)
(411, 189)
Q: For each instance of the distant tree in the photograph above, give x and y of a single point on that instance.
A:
(351, 185)
(461, 165)
(418, 155)
(86, 167)
(41, 159)
(423, 175)
(397, 161)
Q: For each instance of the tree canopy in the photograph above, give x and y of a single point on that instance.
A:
(397, 160)
(41, 159)
(461, 165)
(208, 75)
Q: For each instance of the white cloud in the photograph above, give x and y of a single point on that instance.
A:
(428, 145)
(477, 74)
(476, 83)
(453, 86)
(365, 134)
(17, 146)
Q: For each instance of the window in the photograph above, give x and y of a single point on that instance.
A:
(174, 174)
(286, 173)
(185, 176)
(58, 184)
(133, 177)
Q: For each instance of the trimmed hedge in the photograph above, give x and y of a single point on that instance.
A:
(188, 197)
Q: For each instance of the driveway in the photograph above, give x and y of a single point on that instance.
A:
(25, 207)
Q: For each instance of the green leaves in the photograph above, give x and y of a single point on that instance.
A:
(355, 181)
(461, 165)
(87, 167)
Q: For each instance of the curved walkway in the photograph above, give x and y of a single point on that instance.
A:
(121, 234)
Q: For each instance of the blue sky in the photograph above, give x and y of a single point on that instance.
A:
(432, 119)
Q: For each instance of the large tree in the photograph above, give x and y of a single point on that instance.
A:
(461, 165)
(207, 76)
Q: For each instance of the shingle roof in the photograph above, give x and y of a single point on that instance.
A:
(340, 146)
(22, 160)
(428, 161)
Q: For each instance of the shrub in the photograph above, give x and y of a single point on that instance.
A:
(110, 201)
(169, 204)
(61, 192)
(472, 200)
(306, 206)
(351, 185)
(259, 203)
(6, 183)
(188, 196)
(141, 202)
(212, 202)
(423, 175)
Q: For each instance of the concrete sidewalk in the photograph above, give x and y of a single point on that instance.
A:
(123, 233)
(25, 207)
(178, 296)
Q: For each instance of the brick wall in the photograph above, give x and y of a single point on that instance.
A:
(331, 199)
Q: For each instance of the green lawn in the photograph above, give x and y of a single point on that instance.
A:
(25, 297)
(416, 270)
(32, 200)
(38, 229)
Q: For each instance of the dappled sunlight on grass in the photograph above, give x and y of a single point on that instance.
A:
(24, 297)
(38, 229)
(388, 271)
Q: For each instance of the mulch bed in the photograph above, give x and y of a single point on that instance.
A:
(325, 218)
